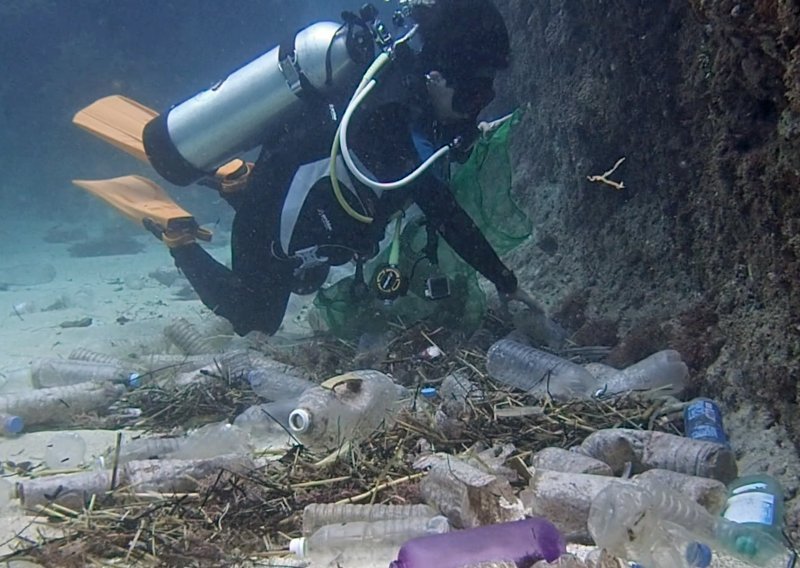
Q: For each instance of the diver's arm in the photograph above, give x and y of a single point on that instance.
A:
(461, 233)
(248, 306)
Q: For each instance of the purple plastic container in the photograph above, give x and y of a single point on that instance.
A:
(525, 542)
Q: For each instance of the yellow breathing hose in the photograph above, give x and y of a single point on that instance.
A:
(373, 69)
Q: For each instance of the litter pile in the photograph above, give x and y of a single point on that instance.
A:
(414, 451)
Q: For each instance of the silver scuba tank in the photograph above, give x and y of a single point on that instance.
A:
(194, 137)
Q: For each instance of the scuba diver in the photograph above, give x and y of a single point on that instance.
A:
(321, 192)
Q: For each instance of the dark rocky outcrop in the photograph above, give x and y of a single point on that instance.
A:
(701, 248)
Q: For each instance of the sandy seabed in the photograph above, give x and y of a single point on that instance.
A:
(128, 310)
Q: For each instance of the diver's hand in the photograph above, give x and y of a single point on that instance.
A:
(535, 324)
(173, 239)
(487, 128)
(519, 295)
(231, 177)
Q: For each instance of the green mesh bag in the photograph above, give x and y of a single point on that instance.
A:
(346, 317)
(482, 187)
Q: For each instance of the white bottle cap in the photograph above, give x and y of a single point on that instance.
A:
(299, 420)
(297, 546)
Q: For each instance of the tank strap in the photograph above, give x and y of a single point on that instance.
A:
(295, 77)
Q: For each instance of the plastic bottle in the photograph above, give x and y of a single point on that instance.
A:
(52, 372)
(648, 449)
(268, 422)
(209, 441)
(664, 370)
(187, 337)
(364, 543)
(525, 542)
(318, 515)
(538, 372)
(58, 405)
(755, 501)
(65, 450)
(274, 384)
(702, 420)
(11, 425)
(652, 524)
(345, 408)
(269, 379)
(83, 354)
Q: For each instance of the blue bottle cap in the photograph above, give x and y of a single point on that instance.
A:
(698, 555)
(428, 392)
(13, 425)
(134, 380)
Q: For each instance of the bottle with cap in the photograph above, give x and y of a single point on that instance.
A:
(525, 542)
(364, 544)
(755, 501)
(11, 425)
(702, 420)
(53, 372)
(660, 527)
(344, 408)
(317, 515)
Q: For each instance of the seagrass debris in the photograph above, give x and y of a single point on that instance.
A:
(250, 515)
(232, 517)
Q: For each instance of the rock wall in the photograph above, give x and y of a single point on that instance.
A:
(699, 250)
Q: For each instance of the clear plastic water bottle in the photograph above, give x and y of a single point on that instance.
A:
(702, 420)
(659, 527)
(345, 408)
(538, 372)
(58, 405)
(524, 542)
(318, 515)
(268, 423)
(755, 501)
(53, 372)
(363, 543)
(65, 450)
(663, 370)
(274, 384)
(11, 425)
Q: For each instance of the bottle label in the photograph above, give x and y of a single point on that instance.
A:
(703, 409)
(757, 486)
(752, 507)
(707, 432)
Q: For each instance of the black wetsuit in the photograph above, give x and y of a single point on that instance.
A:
(253, 295)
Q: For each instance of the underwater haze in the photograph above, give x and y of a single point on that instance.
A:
(60, 56)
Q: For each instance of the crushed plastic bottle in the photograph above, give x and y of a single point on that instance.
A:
(345, 408)
(659, 528)
(538, 372)
(525, 542)
(664, 371)
(209, 441)
(647, 449)
(364, 543)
